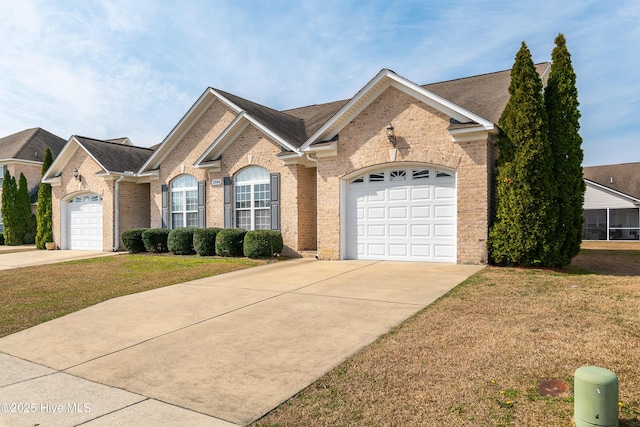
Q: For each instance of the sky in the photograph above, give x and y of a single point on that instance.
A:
(116, 68)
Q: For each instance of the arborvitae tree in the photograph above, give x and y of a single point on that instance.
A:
(520, 234)
(44, 212)
(23, 208)
(561, 102)
(12, 236)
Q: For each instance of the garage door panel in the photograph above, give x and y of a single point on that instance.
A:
(398, 230)
(421, 250)
(421, 193)
(420, 212)
(398, 214)
(398, 250)
(376, 213)
(444, 193)
(376, 230)
(84, 222)
(445, 211)
(420, 230)
(376, 196)
(398, 194)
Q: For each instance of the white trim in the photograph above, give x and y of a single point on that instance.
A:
(225, 138)
(381, 82)
(19, 161)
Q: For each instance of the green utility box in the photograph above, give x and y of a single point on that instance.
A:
(595, 397)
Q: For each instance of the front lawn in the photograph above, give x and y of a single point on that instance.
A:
(32, 295)
(478, 355)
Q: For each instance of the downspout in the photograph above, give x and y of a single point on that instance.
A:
(116, 216)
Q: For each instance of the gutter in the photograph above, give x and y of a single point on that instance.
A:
(116, 215)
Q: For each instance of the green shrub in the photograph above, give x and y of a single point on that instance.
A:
(204, 241)
(155, 240)
(229, 242)
(1, 239)
(132, 240)
(180, 241)
(262, 243)
(29, 237)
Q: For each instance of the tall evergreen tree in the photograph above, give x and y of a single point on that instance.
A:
(44, 211)
(520, 234)
(23, 208)
(561, 102)
(12, 236)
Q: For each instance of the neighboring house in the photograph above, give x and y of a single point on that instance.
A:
(612, 202)
(398, 172)
(95, 192)
(23, 152)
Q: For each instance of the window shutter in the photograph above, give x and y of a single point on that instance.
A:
(275, 201)
(202, 193)
(165, 206)
(228, 219)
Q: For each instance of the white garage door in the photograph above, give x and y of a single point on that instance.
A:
(85, 222)
(405, 214)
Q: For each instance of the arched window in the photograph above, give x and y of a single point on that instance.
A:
(253, 199)
(184, 202)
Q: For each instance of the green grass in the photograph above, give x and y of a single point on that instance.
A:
(34, 295)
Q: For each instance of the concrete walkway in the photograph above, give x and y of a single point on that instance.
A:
(219, 351)
(28, 256)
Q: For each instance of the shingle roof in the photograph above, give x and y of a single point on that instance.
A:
(289, 127)
(114, 156)
(485, 95)
(624, 178)
(25, 144)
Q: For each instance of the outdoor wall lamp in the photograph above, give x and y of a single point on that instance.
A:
(391, 135)
(77, 175)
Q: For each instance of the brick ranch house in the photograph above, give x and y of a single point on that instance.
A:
(399, 171)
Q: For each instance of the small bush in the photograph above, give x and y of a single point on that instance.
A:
(180, 241)
(229, 242)
(262, 243)
(204, 241)
(1, 239)
(132, 240)
(155, 240)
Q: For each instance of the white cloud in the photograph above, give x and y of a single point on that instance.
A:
(118, 68)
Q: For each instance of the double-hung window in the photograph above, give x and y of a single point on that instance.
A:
(253, 199)
(184, 202)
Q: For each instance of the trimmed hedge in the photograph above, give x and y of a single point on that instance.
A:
(229, 242)
(155, 240)
(262, 243)
(204, 241)
(132, 240)
(180, 241)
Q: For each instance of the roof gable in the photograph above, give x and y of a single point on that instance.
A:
(30, 145)
(286, 130)
(112, 157)
(381, 82)
(622, 178)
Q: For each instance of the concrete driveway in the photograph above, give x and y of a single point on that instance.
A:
(219, 351)
(28, 256)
